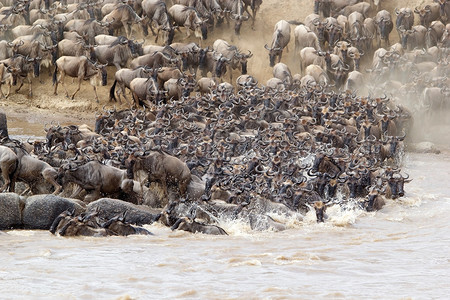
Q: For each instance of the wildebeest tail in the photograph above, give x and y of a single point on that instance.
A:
(295, 22)
(111, 91)
(54, 74)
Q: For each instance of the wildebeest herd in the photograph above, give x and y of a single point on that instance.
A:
(206, 149)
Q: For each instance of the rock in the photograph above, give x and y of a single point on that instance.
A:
(41, 210)
(10, 211)
(136, 214)
(424, 147)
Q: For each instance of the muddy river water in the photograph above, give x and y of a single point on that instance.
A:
(399, 252)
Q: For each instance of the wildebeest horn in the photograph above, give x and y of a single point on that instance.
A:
(267, 47)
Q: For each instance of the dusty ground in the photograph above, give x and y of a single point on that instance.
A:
(44, 107)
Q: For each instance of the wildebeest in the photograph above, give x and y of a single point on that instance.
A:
(405, 18)
(205, 85)
(123, 78)
(235, 9)
(67, 224)
(5, 78)
(22, 67)
(254, 5)
(68, 47)
(281, 71)
(193, 226)
(36, 173)
(428, 14)
(81, 68)
(89, 28)
(8, 164)
(414, 38)
(117, 54)
(6, 49)
(145, 90)
(361, 7)
(178, 88)
(309, 56)
(280, 40)
(156, 11)
(304, 37)
(97, 179)
(189, 18)
(231, 52)
(67, 135)
(444, 9)
(164, 168)
(154, 60)
(355, 81)
(384, 22)
(375, 200)
(122, 16)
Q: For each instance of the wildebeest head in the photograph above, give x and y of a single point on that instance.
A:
(201, 55)
(243, 59)
(136, 47)
(320, 208)
(404, 34)
(385, 26)
(396, 184)
(54, 135)
(36, 65)
(170, 35)
(221, 65)
(273, 53)
(374, 201)
(204, 30)
(401, 15)
(103, 73)
(320, 27)
(238, 22)
(352, 182)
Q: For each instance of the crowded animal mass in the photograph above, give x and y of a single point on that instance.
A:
(190, 144)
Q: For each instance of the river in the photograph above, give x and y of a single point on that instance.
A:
(399, 252)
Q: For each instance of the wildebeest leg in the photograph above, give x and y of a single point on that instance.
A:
(30, 91)
(6, 179)
(157, 34)
(188, 34)
(25, 191)
(128, 29)
(76, 192)
(151, 28)
(9, 88)
(21, 84)
(12, 185)
(1, 92)
(50, 176)
(78, 88)
(95, 91)
(122, 90)
(182, 186)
